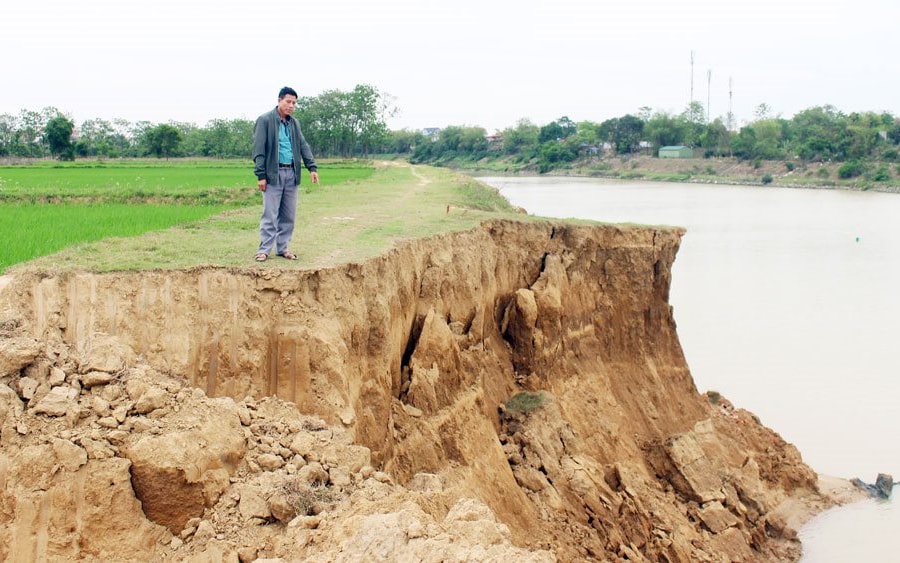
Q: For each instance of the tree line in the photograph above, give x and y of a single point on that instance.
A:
(353, 124)
(818, 134)
(336, 123)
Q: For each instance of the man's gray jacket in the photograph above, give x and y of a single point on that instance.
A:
(265, 147)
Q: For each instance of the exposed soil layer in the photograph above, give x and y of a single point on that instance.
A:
(375, 411)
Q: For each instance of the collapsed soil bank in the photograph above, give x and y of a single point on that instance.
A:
(411, 357)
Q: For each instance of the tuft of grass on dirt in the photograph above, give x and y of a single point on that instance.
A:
(524, 402)
(307, 499)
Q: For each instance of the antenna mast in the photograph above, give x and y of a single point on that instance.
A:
(692, 79)
(730, 104)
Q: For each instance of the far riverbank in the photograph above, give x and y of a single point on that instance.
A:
(724, 170)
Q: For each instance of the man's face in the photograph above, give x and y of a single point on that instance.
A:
(287, 104)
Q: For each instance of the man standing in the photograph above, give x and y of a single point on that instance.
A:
(278, 147)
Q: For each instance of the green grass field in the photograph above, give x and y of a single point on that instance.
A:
(49, 206)
(211, 182)
(77, 219)
(36, 230)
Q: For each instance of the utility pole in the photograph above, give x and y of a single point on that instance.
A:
(730, 104)
(692, 80)
(708, 85)
(731, 124)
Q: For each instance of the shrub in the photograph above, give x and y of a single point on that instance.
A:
(883, 174)
(890, 155)
(525, 402)
(714, 397)
(756, 163)
(823, 172)
(306, 499)
(767, 179)
(850, 169)
(789, 166)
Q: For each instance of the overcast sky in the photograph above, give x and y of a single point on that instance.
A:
(465, 62)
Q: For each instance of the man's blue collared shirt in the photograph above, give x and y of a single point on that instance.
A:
(285, 154)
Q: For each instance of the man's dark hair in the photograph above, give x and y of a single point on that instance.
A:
(285, 91)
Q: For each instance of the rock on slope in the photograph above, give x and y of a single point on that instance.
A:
(515, 392)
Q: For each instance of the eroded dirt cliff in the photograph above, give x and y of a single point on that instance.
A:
(514, 392)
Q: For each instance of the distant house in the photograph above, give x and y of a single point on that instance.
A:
(495, 141)
(676, 151)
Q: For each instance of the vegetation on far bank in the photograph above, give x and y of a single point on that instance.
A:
(718, 170)
(819, 146)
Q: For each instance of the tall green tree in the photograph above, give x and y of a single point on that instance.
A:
(624, 133)
(163, 140)
(338, 123)
(716, 139)
(586, 140)
(521, 139)
(762, 139)
(368, 109)
(228, 138)
(58, 134)
(8, 132)
(863, 137)
(190, 135)
(553, 153)
(98, 137)
(743, 144)
(693, 123)
(664, 129)
(557, 130)
(29, 127)
(770, 134)
(817, 133)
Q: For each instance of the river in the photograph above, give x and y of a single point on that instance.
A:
(787, 302)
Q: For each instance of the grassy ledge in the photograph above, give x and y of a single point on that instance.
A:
(347, 222)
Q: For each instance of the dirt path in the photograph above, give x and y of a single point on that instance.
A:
(423, 181)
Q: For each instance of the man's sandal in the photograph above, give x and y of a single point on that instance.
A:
(261, 257)
(287, 254)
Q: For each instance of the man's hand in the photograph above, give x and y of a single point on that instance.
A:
(262, 185)
(314, 177)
